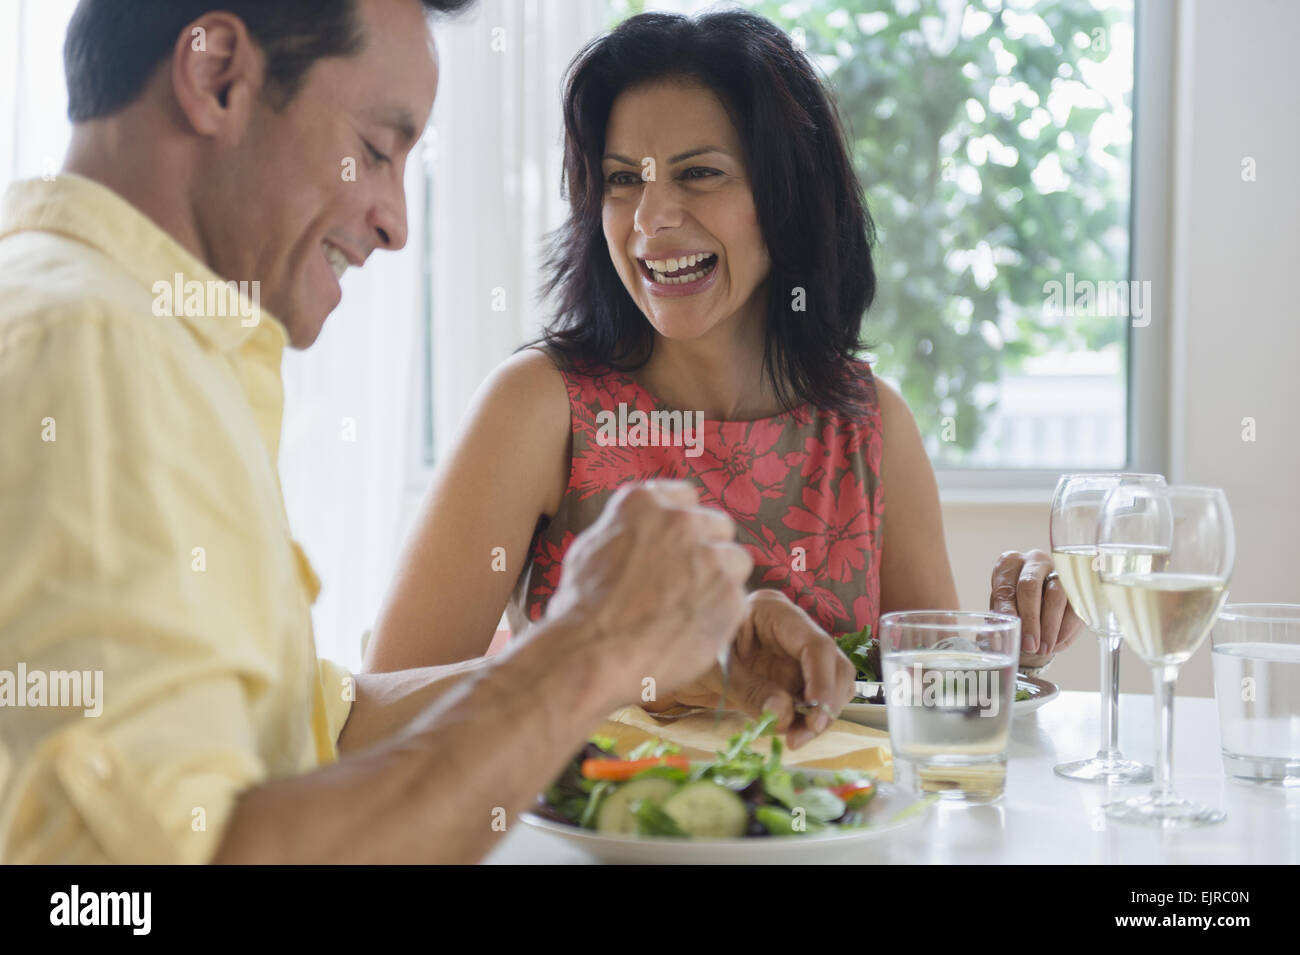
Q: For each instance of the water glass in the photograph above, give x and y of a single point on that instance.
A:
(949, 682)
(1256, 654)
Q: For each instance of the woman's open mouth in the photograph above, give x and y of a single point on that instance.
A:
(684, 275)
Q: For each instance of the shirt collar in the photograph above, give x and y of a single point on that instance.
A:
(93, 214)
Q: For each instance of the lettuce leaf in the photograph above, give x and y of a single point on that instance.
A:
(857, 647)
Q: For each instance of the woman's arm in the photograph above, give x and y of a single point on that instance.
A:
(914, 570)
(509, 468)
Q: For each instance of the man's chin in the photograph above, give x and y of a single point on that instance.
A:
(303, 330)
(300, 341)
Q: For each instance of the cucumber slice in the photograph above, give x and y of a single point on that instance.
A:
(709, 811)
(615, 813)
(780, 822)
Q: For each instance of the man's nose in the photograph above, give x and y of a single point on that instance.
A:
(387, 218)
(659, 208)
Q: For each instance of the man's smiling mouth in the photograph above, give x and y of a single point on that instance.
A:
(337, 258)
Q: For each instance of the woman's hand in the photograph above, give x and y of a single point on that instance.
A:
(781, 658)
(1026, 586)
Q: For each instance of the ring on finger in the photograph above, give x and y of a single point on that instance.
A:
(812, 706)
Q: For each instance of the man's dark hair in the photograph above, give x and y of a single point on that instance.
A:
(114, 47)
(810, 205)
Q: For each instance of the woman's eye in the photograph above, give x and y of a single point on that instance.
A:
(375, 154)
(700, 172)
(622, 178)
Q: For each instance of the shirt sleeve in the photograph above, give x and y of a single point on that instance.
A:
(111, 482)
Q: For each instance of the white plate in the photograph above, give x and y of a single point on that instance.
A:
(873, 714)
(889, 802)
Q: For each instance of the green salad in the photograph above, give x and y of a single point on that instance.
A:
(657, 792)
(863, 651)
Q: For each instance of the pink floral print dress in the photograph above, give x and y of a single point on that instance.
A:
(803, 488)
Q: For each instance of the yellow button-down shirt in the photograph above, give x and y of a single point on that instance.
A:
(143, 544)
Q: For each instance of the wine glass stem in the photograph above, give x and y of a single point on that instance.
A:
(1109, 644)
(1163, 678)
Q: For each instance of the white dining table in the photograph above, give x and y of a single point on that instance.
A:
(1043, 818)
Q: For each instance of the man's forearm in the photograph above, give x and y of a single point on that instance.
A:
(483, 749)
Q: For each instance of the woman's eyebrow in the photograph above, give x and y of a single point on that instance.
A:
(697, 152)
(680, 157)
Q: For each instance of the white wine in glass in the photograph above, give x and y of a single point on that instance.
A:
(1168, 615)
(1166, 611)
(1075, 507)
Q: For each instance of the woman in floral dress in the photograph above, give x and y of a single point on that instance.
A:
(710, 285)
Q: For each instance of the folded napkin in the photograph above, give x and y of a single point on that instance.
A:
(843, 746)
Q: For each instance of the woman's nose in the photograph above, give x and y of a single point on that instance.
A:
(659, 208)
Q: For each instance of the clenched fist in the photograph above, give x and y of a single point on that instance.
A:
(660, 579)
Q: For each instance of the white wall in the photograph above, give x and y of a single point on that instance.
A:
(1235, 333)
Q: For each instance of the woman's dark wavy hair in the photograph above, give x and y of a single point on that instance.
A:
(810, 205)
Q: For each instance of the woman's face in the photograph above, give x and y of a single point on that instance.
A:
(679, 214)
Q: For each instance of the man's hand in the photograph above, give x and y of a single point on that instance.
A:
(1026, 586)
(780, 658)
(659, 581)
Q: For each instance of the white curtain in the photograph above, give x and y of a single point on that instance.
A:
(496, 184)
(34, 127)
(350, 438)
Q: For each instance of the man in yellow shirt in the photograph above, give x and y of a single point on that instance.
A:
(160, 696)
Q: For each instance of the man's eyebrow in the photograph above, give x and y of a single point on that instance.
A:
(399, 119)
(675, 159)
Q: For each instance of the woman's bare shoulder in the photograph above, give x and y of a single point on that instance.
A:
(893, 408)
(529, 389)
(529, 373)
(522, 408)
(904, 461)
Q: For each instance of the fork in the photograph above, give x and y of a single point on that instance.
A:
(724, 661)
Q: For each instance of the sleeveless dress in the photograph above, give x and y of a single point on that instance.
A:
(803, 488)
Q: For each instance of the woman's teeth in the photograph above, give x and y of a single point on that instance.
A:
(337, 260)
(660, 269)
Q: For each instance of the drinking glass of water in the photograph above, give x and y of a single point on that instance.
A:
(949, 683)
(1165, 611)
(1256, 655)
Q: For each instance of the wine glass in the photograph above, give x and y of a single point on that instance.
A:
(1166, 558)
(1075, 507)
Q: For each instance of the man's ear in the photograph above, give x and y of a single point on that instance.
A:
(217, 74)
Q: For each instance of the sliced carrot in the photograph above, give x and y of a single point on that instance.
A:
(617, 770)
(856, 793)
